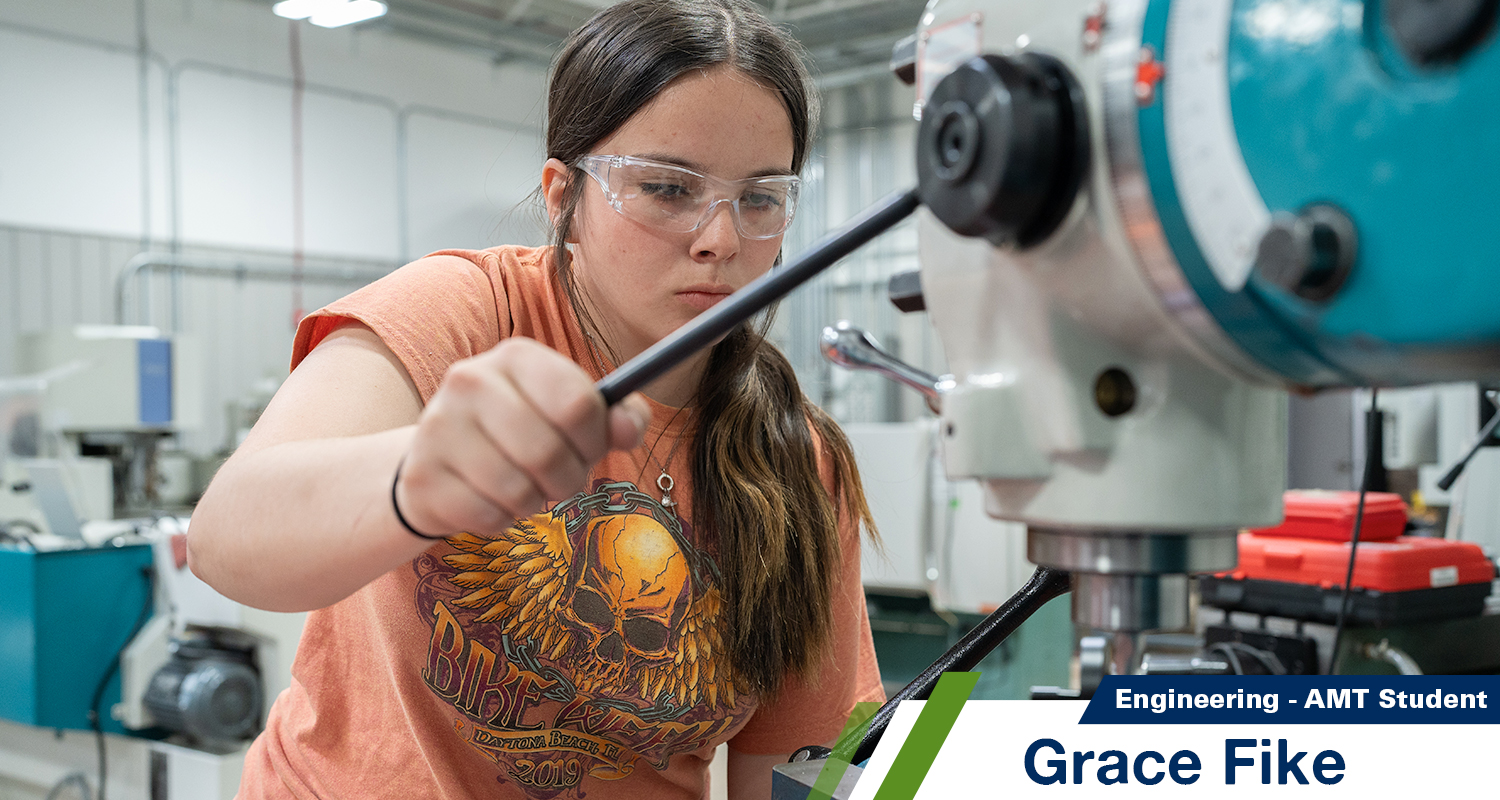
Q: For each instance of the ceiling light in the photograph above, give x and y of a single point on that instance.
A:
(330, 13)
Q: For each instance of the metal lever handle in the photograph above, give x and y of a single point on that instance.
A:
(852, 348)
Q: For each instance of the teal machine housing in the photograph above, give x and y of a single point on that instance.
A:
(64, 616)
(1412, 153)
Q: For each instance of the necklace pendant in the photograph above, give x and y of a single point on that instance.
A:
(665, 484)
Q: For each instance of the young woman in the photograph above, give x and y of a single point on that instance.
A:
(519, 592)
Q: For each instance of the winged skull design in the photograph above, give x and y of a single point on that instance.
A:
(627, 614)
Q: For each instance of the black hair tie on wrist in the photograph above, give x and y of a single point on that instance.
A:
(401, 518)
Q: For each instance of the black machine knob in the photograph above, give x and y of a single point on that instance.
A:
(812, 752)
(1435, 32)
(1003, 148)
(1310, 253)
(905, 291)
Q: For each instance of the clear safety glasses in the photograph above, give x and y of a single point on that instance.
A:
(679, 200)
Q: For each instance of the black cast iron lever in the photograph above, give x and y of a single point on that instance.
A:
(1045, 584)
(661, 357)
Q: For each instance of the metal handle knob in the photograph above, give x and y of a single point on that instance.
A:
(852, 348)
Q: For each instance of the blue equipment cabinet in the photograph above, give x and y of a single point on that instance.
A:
(64, 615)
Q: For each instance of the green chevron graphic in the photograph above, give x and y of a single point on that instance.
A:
(918, 751)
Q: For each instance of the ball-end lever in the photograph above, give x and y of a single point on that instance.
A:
(852, 348)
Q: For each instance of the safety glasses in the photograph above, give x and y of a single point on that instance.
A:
(679, 200)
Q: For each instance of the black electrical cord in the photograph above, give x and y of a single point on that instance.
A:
(1268, 659)
(114, 666)
(1446, 482)
(71, 779)
(1371, 437)
(1232, 651)
(1229, 656)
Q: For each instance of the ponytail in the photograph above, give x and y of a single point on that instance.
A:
(758, 490)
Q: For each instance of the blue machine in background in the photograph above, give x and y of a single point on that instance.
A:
(64, 616)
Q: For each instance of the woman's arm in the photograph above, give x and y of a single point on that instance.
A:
(300, 516)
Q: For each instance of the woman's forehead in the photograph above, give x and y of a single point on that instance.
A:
(720, 121)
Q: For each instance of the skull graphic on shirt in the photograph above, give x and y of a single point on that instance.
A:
(581, 642)
(614, 596)
(630, 592)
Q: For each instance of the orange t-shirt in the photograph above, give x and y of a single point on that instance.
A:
(574, 654)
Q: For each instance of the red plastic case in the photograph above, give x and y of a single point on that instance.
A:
(1404, 564)
(1329, 516)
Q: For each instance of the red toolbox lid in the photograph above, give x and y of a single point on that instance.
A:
(1317, 514)
(1403, 564)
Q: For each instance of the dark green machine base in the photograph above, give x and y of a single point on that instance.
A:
(909, 636)
(1468, 646)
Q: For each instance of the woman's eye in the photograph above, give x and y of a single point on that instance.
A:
(665, 190)
(760, 201)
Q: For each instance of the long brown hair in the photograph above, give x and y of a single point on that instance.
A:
(756, 484)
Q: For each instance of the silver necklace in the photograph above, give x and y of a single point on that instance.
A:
(664, 481)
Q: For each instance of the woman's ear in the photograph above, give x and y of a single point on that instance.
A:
(555, 188)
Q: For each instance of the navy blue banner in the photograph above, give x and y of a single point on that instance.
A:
(1295, 699)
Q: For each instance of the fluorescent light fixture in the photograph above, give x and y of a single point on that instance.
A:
(330, 13)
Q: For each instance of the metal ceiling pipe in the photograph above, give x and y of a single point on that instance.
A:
(138, 269)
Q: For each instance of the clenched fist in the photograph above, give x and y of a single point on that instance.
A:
(508, 430)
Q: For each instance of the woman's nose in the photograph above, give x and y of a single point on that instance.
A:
(718, 238)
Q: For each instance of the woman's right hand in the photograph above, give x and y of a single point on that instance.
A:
(508, 430)
(300, 516)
